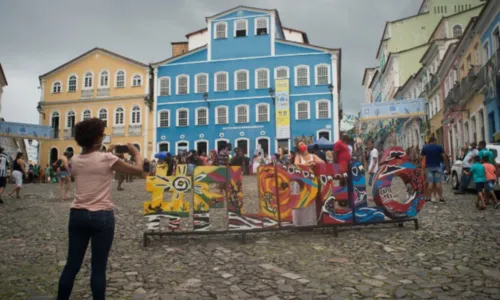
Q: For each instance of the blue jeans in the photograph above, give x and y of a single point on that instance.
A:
(370, 179)
(465, 180)
(85, 226)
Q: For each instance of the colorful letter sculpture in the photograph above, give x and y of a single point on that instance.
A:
(394, 163)
(288, 195)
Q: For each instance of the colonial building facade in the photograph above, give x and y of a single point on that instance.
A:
(220, 86)
(101, 84)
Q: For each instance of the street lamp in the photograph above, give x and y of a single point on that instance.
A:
(205, 97)
(39, 108)
(272, 95)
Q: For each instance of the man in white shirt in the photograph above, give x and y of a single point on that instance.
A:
(3, 172)
(466, 165)
(373, 166)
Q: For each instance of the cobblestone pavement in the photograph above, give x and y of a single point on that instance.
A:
(454, 255)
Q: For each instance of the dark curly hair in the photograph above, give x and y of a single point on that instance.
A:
(87, 132)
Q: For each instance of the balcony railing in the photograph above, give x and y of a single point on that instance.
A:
(103, 92)
(118, 130)
(432, 83)
(87, 93)
(488, 72)
(55, 133)
(463, 90)
(69, 133)
(135, 130)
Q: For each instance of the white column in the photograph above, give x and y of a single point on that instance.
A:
(155, 85)
(335, 97)
(146, 117)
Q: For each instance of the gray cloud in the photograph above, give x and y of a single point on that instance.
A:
(38, 36)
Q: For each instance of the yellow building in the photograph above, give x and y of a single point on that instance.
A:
(470, 102)
(101, 84)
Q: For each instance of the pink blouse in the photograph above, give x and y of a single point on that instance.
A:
(93, 177)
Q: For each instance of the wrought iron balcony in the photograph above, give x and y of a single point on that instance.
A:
(463, 90)
(69, 133)
(135, 130)
(87, 93)
(55, 133)
(488, 72)
(118, 131)
(432, 83)
(103, 92)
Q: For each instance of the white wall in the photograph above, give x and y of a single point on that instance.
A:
(293, 36)
(197, 40)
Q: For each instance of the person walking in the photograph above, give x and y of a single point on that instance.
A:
(483, 152)
(434, 155)
(491, 178)
(341, 153)
(479, 175)
(373, 165)
(91, 217)
(466, 165)
(146, 167)
(3, 173)
(17, 173)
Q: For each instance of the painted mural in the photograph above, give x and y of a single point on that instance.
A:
(288, 195)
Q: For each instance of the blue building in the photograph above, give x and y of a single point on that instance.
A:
(219, 86)
(489, 25)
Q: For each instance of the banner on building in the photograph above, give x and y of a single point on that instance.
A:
(26, 131)
(282, 109)
(393, 109)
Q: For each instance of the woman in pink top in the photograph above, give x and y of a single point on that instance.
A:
(91, 217)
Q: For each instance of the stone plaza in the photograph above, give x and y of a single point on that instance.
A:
(454, 255)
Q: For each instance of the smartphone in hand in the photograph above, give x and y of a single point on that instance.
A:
(121, 149)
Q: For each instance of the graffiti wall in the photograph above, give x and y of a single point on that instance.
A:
(288, 195)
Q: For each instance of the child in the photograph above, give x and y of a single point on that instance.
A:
(491, 177)
(479, 176)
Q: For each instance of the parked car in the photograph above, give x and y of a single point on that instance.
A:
(456, 169)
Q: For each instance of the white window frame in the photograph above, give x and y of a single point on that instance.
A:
(329, 109)
(217, 114)
(453, 30)
(324, 130)
(316, 67)
(236, 79)
(486, 56)
(257, 112)
(132, 114)
(52, 116)
(54, 85)
(201, 140)
(257, 78)
(227, 81)
(114, 117)
(99, 115)
(83, 113)
(177, 117)
(169, 85)
(67, 118)
(142, 83)
(235, 25)
(168, 119)
(236, 113)
(76, 83)
(177, 84)
(196, 116)
(109, 76)
(297, 110)
(267, 25)
(282, 67)
(124, 79)
(196, 82)
(83, 81)
(215, 30)
(308, 74)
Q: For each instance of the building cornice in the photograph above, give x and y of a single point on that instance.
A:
(93, 100)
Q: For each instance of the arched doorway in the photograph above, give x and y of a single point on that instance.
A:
(221, 144)
(243, 144)
(263, 144)
(201, 147)
(163, 147)
(182, 147)
(54, 155)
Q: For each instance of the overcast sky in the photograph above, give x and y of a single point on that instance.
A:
(37, 36)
